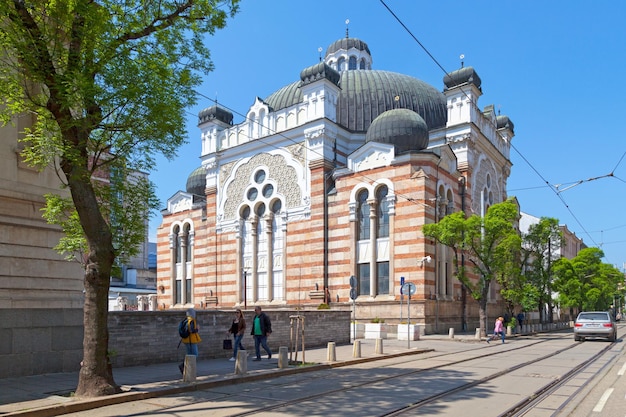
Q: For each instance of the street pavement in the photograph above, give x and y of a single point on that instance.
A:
(50, 394)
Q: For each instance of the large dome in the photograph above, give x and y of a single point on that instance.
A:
(365, 94)
(403, 128)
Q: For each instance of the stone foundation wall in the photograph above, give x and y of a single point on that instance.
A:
(146, 337)
(42, 341)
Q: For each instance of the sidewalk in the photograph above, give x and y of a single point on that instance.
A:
(50, 395)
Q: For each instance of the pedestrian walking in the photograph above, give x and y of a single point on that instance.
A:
(520, 321)
(498, 329)
(237, 329)
(261, 329)
(188, 331)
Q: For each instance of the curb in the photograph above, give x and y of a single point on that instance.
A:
(89, 404)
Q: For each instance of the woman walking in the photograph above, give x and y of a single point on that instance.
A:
(237, 328)
(498, 329)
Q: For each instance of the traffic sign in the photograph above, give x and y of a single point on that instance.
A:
(401, 285)
(352, 282)
(353, 293)
(409, 288)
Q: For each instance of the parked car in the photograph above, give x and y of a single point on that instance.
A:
(595, 324)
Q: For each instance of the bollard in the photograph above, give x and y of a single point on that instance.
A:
(283, 360)
(509, 330)
(331, 355)
(477, 334)
(451, 333)
(241, 363)
(379, 346)
(356, 349)
(189, 374)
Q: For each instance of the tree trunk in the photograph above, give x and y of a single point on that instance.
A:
(482, 316)
(96, 376)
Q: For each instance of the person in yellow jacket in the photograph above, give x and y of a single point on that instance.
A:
(191, 342)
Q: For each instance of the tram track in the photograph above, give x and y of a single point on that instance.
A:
(412, 408)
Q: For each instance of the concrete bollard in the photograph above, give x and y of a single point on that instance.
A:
(379, 346)
(356, 349)
(451, 333)
(331, 355)
(509, 330)
(241, 363)
(477, 334)
(283, 360)
(189, 374)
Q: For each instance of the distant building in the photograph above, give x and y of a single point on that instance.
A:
(329, 177)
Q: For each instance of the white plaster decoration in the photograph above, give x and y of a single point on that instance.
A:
(371, 155)
(179, 202)
(172, 239)
(352, 210)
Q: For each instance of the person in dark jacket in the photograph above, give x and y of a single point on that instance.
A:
(237, 328)
(261, 329)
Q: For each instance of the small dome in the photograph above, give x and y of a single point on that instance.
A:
(318, 72)
(465, 75)
(196, 181)
(503, 122)
(215, 113)
(347, 44)
(403, 128)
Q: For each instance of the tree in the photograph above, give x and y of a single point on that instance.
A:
(490, 246)
(539, 252)
(106, 84)
(586, 283)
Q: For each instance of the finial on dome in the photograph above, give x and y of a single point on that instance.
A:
(319, 50)
(347, 22)
(462, 57)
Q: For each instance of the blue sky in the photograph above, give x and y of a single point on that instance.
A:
(555, 68)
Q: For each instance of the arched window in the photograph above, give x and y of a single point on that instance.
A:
(341, 62)
(362, 64)
(363, 213)
(177, 246)
(352, 63)
(383, 212)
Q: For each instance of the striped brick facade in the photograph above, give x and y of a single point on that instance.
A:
(279, 210)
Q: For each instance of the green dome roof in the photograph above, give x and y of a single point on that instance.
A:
(196, 181)
(365, 94)
(403, 128)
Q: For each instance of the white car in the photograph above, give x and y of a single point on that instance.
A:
(595, 324)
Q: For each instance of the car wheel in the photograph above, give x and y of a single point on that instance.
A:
(576, 338)
(613, 338)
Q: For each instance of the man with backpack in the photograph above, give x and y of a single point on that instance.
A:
(188, 332)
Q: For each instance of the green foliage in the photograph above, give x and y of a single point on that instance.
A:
(586, 283)
(103, 88)
(323, 306)
(377, 320)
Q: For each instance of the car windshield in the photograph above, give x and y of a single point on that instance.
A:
(594, 316)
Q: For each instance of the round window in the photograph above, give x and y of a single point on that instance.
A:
(253, 194)
(268, 190)
(259, 176)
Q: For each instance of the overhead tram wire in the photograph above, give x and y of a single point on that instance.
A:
(489, 121)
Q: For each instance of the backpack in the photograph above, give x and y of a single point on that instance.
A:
(183, 328)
